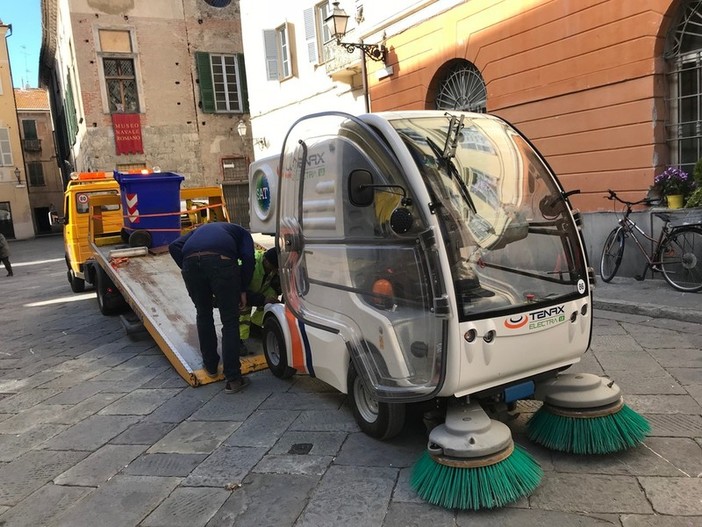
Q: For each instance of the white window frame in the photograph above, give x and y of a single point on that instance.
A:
(321, 12)
(283, 43)
(5, 148)
(229, 98)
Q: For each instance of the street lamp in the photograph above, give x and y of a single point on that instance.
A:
(337, 21)
(241, 129)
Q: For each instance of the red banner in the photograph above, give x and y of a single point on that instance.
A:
(127, 127)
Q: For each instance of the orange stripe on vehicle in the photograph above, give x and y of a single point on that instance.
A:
(298, 357)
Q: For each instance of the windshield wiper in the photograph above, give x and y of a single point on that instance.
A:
(446, 163)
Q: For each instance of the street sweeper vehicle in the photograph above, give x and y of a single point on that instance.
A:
(433, 257)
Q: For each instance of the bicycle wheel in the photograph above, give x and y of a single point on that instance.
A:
(612, 253)
(681, 259)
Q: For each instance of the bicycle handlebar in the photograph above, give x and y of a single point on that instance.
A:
(613, 196)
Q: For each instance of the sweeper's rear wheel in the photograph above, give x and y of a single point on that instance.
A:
(376, 419)
(274, 349)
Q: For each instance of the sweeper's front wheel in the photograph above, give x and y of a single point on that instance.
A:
(376, 419)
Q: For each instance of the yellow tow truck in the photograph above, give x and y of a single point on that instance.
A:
(101, 252)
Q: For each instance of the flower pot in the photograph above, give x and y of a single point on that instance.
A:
(675, 201)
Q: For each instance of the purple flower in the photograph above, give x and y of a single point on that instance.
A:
(674, 180)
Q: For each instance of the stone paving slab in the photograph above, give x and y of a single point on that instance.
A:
(194, 437)
(322, 443)
(247, 505)
(262, 428)
(658, 456)
(591, 493)
(511, 517)
(187, 507)
(676, 425)
(14, 445)
(226, 466)
(122, 502)
(179, 465)
(43, 506)
(294, 464)
(32, 470)
(15, 403)
(349, 497)
(100, 466)
(139, 402)
(92, 432)
(679, 497)
(636, 520)
(143, 433)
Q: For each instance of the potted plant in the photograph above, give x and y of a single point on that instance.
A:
(674, 183)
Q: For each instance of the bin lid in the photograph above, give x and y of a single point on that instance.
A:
(150, 177)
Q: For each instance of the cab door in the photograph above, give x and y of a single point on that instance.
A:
(347, 269)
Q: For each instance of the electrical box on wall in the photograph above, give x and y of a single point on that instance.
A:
(263, 192)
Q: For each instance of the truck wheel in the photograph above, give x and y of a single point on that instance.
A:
(274, 349)
(376, 419)
(110, 300)
(77, 284)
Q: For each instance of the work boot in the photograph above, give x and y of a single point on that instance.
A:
(237, 385)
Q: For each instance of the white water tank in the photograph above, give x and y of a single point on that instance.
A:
(263, 194)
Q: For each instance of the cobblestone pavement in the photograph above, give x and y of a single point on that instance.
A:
(97, 429)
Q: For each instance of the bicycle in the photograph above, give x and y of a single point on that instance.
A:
(677, 253)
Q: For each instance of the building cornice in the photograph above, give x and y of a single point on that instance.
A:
(47, 55)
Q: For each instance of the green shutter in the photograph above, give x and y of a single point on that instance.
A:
(204, 73)
(242, 83)
(70, 111)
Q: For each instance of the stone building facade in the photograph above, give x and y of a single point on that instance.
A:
(173, 69)
(44, 181)
(15, 212)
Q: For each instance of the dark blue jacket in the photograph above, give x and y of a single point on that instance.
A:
(227, 239)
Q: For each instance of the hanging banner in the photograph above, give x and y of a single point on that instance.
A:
(127, 128)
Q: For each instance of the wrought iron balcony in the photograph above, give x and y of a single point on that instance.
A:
(32, 145)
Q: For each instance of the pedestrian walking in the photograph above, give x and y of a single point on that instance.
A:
(217, 261)
(5, 255)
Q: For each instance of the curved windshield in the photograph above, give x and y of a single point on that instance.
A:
(509, 236)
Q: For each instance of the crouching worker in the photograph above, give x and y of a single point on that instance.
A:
(264, 289)
(217, 261)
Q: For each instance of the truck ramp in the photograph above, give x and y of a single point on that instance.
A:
(153, 287)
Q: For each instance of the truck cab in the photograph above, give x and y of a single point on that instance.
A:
(75, 220)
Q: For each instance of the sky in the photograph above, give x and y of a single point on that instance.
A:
(25, 42)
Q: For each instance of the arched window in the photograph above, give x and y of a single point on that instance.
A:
(462, 88)
(684, 57)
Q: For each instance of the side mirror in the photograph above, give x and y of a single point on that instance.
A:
(360, 188)
(55, 219)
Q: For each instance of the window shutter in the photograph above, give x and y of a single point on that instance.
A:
(204, 73)
(70, 112)
(242, 83)
(271, 46)
(29, 127)
(310, 35)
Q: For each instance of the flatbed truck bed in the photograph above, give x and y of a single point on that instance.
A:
(153, 288)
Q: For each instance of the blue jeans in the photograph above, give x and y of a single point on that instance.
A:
(213, 275)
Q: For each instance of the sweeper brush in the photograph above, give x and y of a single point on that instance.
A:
(585, 414)
(471, 462)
